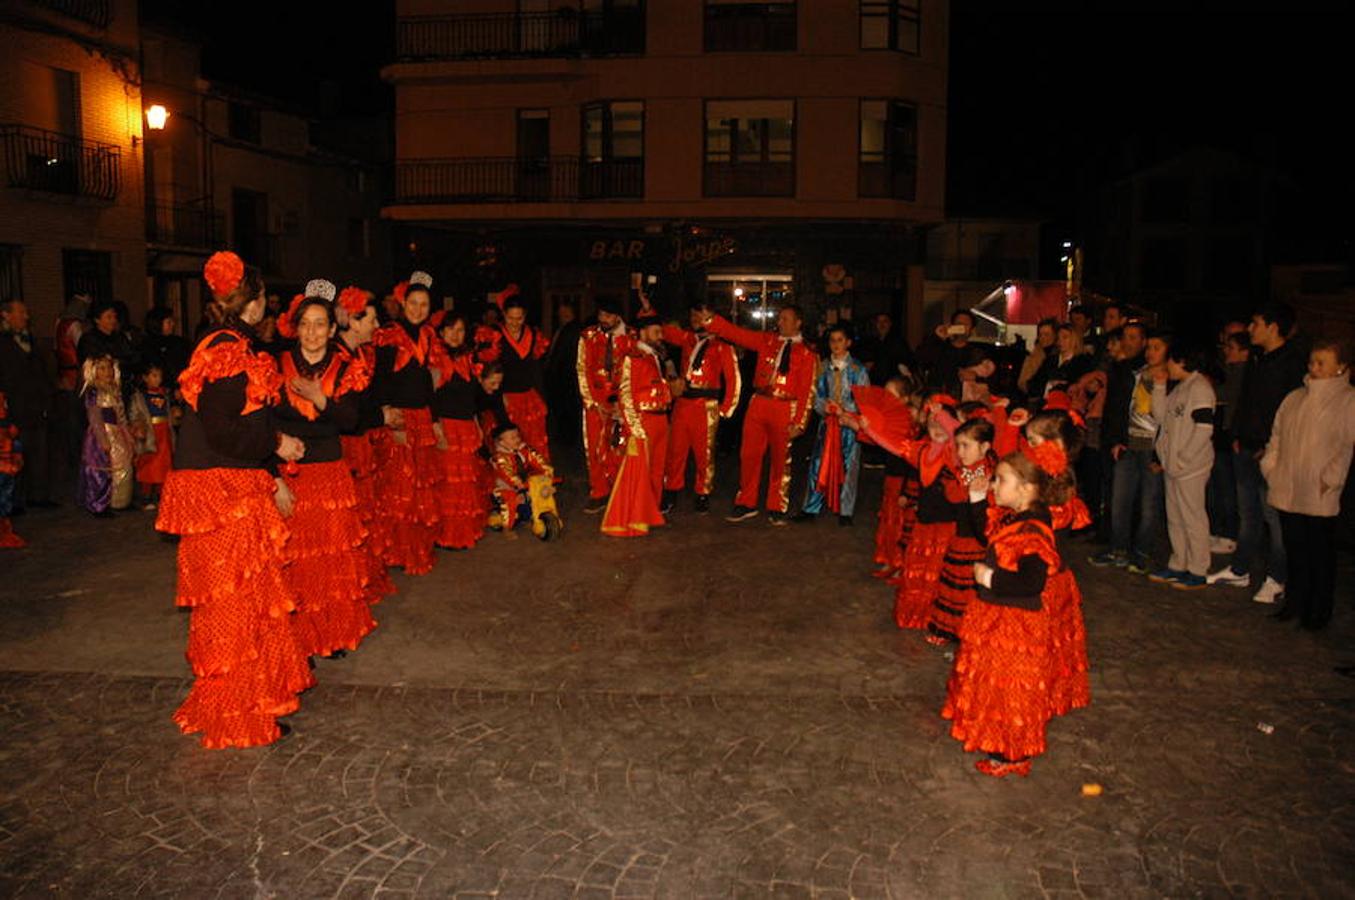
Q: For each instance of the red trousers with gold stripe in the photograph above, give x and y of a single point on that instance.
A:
(766, 430)
(695, 421)
(656, 437)
(602, 457)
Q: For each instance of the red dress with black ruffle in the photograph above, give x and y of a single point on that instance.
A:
(247, 663)
(934, 526)
(1069, 683)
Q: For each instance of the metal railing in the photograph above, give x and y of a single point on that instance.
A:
(501, 179)
(184, 226)
(39, 160)
(749, 27)
(517, 35)
(92, 12)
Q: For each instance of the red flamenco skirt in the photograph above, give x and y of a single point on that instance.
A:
(1069, 687)
(151, 468)
(407, 494)
(922, 562)
(8, 539)
(912, 489)
(248, 664)
(527, 411)
(359, 453)
(326, 566)
(463, 500)
(998, 695)
(955, 588)
(632, 508)
(889, 526)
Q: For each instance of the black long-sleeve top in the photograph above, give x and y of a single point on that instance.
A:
(408, 388)
(1023, 587)
(486, 402)
(933, 506)
(320, 435)
(456, 399)
(217, 436)
(519, 375)
(1119, 390)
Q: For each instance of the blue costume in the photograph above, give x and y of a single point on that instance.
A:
(834, 385)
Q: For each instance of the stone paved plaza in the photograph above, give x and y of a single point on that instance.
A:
(717, 710)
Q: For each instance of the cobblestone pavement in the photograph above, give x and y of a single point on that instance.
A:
(714, 711)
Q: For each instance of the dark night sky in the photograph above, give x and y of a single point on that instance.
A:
(1045, 97)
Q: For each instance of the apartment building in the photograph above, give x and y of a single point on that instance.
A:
(752, 153)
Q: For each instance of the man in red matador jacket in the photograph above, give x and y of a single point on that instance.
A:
(644, 398)
(783, 396)
(601, 349)
(707, 392)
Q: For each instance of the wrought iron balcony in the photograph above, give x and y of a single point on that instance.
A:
(507, 179)
(92, 12)
(882, 179)
(564, 33)
(39, 160)
(184, 226)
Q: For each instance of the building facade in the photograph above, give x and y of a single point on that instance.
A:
(231, 169)
(71, 204)
(969, 258)
(753, 153)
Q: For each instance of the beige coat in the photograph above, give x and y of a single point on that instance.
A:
(1311, 444)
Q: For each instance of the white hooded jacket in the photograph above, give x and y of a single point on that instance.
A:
(1308, 457)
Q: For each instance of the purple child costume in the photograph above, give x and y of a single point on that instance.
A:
(105, 480)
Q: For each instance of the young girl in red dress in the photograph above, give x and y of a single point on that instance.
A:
(968, 496)
(934, 458)
(998, 695)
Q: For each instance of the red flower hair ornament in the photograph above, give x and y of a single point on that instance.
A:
(287, 321)
(223, 272)
(353, 300)
(399, 292)
(1048, 458)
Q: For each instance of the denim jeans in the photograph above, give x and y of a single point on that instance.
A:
(1255, 515)
(1223, 496)
(1136, 489)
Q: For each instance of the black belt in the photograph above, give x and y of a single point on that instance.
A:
(767, 392)
(702, 393)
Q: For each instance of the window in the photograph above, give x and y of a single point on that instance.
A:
(613, 152)
(244, 123)
(888, 151)
(11, 272)
(732, 25)
(88, 272)
(891, 25)
(750, 148)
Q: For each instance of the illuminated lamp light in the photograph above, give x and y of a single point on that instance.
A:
(156, 116)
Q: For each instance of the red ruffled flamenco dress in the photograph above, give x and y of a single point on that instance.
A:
(247, 664)
(1069, 684)
(933, 527)
(359, 451)
(463, 493)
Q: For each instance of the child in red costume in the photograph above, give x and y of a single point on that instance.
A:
(11, 462)
(1069, 687)
(934, 458)
(998, 695)
(513, 463)
(897, 502)
(150, 417)
(968, 496)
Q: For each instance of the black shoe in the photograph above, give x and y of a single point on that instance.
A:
(1348, 671)
(666, 503)
(1284, 614)
(338, 654)
(844, 521)
(595, 505)
(741, 513)
(702, 504)
(105, 514)
(803, 516)
(285, 729)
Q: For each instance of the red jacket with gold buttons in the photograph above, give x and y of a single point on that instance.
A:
(795, 386)
(642, 388)
(707, 363)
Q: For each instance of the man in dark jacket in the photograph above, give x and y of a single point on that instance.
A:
(883, 349)
(1275, 368)
(28, 388)
(949, 357)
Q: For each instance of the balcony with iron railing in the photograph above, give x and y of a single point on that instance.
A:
(39, 160)
(188, 225)
(98, 13)
(564, 33)
(559, 179)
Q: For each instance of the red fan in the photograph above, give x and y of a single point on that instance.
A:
(885, 419)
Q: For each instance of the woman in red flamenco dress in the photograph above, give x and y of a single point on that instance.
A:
(411, 363)
(326, 567)
(463, 495)
(357, 318)
(225, 504)
(934, 458)
(519, 347)
(998, 695)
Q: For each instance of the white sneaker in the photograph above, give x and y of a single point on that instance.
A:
(1221, 544)
(1271, 591)
(1226, 577)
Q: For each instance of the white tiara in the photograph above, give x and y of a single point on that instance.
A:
(421, 279)
(319, 287)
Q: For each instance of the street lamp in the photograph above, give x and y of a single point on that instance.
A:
(156, 116)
